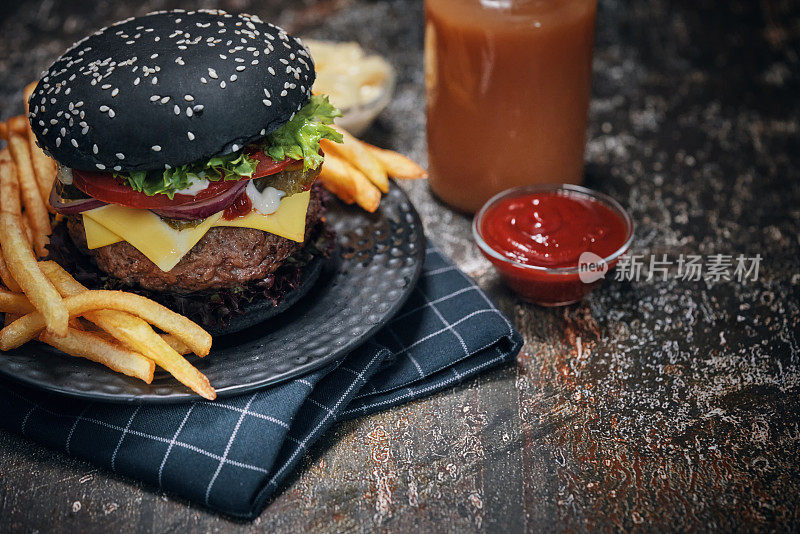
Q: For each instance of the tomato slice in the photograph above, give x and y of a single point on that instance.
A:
(103, 186)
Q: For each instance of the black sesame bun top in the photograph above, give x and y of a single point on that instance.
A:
(167, 89)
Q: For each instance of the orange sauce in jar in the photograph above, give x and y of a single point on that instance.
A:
(508, 86)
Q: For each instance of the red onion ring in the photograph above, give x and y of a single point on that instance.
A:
(67, 206)
(204, 208)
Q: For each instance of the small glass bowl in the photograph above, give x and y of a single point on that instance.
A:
(548, 286)
(357, 119)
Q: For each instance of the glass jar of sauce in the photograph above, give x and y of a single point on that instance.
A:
(508, 86)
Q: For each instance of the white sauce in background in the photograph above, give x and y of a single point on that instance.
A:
(266, 201)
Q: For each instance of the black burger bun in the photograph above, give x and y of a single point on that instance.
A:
(167, 89)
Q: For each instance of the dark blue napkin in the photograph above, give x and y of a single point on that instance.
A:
(232, 454)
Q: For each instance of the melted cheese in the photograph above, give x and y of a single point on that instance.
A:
(165, 246)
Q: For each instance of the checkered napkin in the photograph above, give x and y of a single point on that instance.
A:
(233, 454)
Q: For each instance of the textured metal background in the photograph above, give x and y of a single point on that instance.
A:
(375, 268)
(650, 406)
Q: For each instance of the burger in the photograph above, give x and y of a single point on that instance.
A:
(187, 145)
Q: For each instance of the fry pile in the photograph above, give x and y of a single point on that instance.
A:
(358, 172)
(42, 301)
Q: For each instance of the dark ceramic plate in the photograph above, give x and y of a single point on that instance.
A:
(376, 266)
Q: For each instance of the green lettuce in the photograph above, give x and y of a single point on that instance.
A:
(233, 166)
(297, 139)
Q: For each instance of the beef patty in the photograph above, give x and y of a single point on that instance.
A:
(224, 257)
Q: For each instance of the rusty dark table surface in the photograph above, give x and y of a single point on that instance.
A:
(662, 405)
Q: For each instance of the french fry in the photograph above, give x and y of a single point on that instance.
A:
(395, 164)
(176, 344)
(24, 269)
(9, 184)
(93, 347)
(197, 339)
(29, 189)
(28, 326)
(9, 201)
(136, 334)
(14, 303)
(9, 318)
(353, 151)
(7, 277)
(27, 227)
(336, 180)
(343, 176)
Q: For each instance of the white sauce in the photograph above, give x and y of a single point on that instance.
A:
(266, 201)
(64, 175)
(194, 188)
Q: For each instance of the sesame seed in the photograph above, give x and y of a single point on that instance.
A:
(58, 141)
(154, 98)
(188, 98)
(155, 80)
(95, 149)
(222, 84)
(117, 168)
(137, 80)
(267, 102)
(120, 155)
(74, 143)
(240, 68)
(84, 130)
(100, 166)
(190, 135)
(212, 73)
(154, 56)
(111, 113)
(177, 109)
(235, 147)
(189, 112)
(203, 79)
(104, 108)
(105, 86)
(165, 100)
(115, 92)
(198, 108)
(155, 148)
(233, 77)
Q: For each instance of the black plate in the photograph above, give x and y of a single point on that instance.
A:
(376, 266)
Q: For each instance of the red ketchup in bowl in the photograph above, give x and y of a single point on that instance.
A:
(554, 243)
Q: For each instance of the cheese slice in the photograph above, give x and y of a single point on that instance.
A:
(288, 221)
(165, 245)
